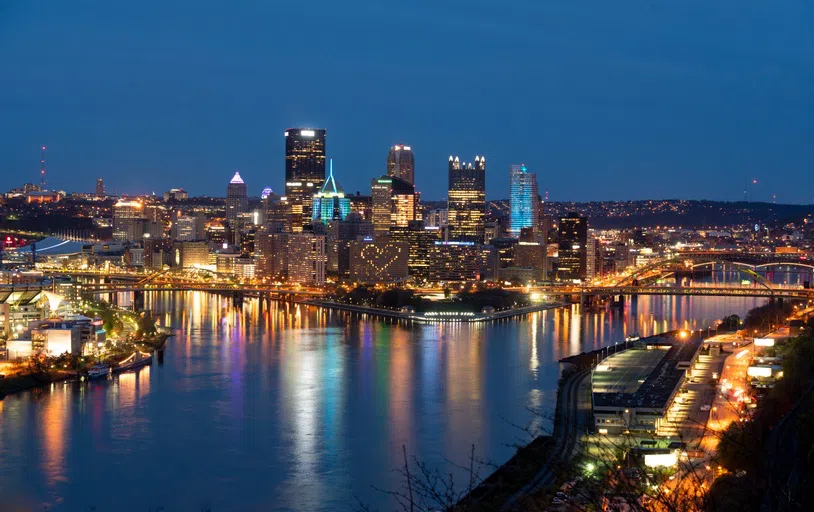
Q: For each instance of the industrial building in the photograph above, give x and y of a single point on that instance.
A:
(631, 391)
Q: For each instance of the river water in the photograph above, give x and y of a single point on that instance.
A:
(281, 407)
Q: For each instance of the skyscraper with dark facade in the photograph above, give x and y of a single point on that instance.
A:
(237, 197)
(573, 248)
(467, 199)
(304, 171)
(401, 163)
(524, 203)
(420, 240)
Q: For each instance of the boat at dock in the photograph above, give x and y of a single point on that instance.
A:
(98, 371)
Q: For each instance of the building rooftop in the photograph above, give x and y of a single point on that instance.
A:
(51, 246)
(644, 378)
(236, 178)
(19, 296)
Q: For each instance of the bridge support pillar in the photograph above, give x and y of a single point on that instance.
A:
(138, 300)
(618, 301)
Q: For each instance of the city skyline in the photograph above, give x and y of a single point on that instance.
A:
(191, 291)
(594, 101)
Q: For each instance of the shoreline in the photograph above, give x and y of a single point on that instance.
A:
(20, 383)
(26, 382)
(435, 316)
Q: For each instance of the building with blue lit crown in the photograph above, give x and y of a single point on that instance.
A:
(330, 203)
(523, 197)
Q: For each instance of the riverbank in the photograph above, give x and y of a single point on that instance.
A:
(25, 381)
(528, 477)
(435, 316)
(18, 383)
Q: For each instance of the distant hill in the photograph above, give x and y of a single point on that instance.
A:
(674, 212)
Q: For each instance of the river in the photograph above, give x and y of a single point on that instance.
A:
(283, 407)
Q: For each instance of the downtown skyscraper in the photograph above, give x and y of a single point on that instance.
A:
(401, 163)
(524, 205)
(304, 171)
(573, 248)
(466, 202)
(237, 197)
(394, 204)
(330, 203)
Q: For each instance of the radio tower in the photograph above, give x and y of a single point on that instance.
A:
(42, 170)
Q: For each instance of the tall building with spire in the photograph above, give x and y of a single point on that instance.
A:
(401, 163)
(237, 197)
(467, 199)
(523, 198)
(330, 203)
(304, 171)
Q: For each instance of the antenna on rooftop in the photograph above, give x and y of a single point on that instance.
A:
(42, 170)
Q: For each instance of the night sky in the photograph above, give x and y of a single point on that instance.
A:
(629, 99)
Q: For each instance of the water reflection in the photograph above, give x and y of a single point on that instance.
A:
(278, 405)
(55, 413)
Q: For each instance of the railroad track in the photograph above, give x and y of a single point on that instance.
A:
(566, 440)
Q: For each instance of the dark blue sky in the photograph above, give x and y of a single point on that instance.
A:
(603, 100)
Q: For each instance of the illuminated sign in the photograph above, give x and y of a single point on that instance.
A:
(655, 460)
(307, 133)
(764, 342)
(759, 371)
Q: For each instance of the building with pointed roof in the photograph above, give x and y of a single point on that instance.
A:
(237, 197)
(330, 202)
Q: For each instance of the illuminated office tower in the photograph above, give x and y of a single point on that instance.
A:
(454, 261)
(573, 242)
(363, 205)
(330, 203)
(467, 199)
(405, 203)
(420, 239)
(306, 258)
(401, 163)
(591, 251)
(237, 198)
(381, 205)
(394, 203)
(304, 171)
(100, 187)
(128, 220)
(524, 205)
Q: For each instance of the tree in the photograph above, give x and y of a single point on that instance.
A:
(146, 325)
(730, 323)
